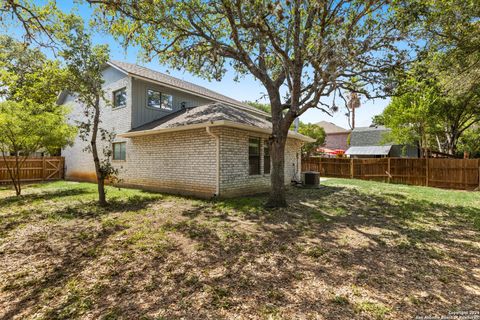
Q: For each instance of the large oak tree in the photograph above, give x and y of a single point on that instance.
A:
(37, 21)
(301, 51)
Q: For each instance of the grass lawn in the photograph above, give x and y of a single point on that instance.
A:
(350, 250)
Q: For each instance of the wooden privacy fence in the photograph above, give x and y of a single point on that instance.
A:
(434, 172)
(33, 169)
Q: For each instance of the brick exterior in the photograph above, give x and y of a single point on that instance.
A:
(234, 164)
(79, 162)
(336, 140)
(182, 162)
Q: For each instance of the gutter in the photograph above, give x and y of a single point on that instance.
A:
(217, 156)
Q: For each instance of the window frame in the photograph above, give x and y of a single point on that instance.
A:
(161, 99)
(257, 171)
(266, 147)
(119, 143)
(115, 100)
(169, 106)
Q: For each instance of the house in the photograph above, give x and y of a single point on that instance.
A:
(178, 137)
(371, 142)
(335, 137)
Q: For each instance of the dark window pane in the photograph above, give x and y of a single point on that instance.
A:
(254, 155)
(119, 151)
(266, 157)
(254, 163)
(120, 98)
(153, 99)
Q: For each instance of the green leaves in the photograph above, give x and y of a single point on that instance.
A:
(25, 129)
(27, 76)
(312, 131)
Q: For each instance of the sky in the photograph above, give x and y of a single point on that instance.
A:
(247, 89)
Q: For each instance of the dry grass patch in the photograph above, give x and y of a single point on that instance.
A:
(349, 250)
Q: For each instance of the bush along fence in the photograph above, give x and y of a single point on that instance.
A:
(434, 172)
(33, 169)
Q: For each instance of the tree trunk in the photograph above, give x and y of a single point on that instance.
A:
(101, 192)
(11, 172)
(277, 176)
(18, 188)
(98, 170)
(353, 118)
(439, 144)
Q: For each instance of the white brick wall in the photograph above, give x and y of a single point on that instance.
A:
(234, 163)
(79, 163)
(178, 162)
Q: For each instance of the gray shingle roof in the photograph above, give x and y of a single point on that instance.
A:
(331, 127)
(214, 114)
(368, 151)
(368, 136)
(136, 70)
(205, 114)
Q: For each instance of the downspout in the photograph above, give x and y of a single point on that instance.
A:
(217, 141)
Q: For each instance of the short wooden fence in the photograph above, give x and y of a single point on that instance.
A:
(434, 172)
(33, 169)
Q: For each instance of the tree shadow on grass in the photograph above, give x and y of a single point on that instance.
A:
(70, 207)
(75, 257)
(406, 256)
(42, 196)
(335, 253)
(83, 242)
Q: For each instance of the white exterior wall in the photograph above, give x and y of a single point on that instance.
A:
(184, 162)
(234, 163)
(78, 162)
(178, 162)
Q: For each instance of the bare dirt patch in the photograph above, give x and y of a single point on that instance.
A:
(340, 252)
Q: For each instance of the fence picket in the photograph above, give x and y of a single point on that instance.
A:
(34, 169)
(433, 172)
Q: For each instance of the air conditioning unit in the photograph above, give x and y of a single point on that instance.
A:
(311, 179)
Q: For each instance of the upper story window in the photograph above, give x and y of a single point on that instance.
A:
(254, 156)
(120, 98)
(266, 157)
(158, 100)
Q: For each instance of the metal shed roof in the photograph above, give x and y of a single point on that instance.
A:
(368, 150)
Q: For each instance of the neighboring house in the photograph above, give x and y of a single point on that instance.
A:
(175, 136)
(370, 142)
(335, 137)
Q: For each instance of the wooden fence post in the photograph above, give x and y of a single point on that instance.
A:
(351, 168)
(389, 173)
(44, 168)
(427, 170)
(478, 166)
